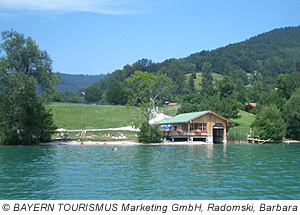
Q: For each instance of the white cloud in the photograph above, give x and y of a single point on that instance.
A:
(93, 6)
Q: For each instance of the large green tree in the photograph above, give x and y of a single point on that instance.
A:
(174, 70)
(292, 115)
(269, 123)
(92, 94)
(255, 90)
(145, 89)
(228, 108)
(116, 94)
(226, 87)
(26, 82)
(286, 84)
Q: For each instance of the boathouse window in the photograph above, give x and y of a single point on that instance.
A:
(201, 126)
(191, 126)
(204, 127)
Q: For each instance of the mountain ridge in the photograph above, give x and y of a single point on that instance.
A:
(270, 54)
(71, 83)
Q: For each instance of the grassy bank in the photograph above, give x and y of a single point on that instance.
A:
(82, 116)
(241, 127)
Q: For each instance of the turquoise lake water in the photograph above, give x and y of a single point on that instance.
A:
(233, 171)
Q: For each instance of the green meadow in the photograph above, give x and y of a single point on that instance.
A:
(240, 127)
(83, 116)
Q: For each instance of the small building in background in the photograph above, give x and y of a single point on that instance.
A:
(205, 126)
(249, 107)
(251, 104)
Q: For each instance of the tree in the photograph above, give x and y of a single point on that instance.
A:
(23, 55)
(228, 108)
(292, 115)
(174, 70)
(239, 74)
(283, 86)
(24, 119)
(149, 133)
(145, 88)
(116, 94)
(254, 91)
(24, 71)
(269, 123)
(286, 84)
(191, 84)
(207, 79)
(226, 87)
(92, 94)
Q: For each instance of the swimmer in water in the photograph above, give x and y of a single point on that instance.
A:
(114, 149)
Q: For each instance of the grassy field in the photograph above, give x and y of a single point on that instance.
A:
(240, 131)
(170, 111)
(244, 122)
(82, 116)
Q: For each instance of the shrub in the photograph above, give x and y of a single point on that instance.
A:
(149, 133)
(234, 135)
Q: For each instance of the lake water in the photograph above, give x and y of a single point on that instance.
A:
(233, 171)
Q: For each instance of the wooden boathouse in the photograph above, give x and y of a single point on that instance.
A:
(205, 126)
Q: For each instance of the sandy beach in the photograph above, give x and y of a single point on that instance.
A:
(117, 143)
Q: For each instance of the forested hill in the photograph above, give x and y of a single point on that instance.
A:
(271, 54)
(268, 54)
(70, 83)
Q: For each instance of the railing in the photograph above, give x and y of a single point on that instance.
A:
(192, 133)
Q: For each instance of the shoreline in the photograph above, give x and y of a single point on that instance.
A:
(132, 143)
(117, 143)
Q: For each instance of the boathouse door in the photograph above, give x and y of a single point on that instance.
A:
(218, 133)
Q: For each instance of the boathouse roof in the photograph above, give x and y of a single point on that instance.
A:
(186, 117)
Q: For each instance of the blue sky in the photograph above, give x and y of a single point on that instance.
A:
(100, 36)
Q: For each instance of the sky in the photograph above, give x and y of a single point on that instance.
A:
(101, 36)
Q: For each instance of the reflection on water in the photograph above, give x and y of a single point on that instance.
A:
(233, 171)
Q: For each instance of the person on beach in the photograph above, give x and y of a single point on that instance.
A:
(107, 135)
(67, 134)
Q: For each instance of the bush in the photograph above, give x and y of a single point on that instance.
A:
(234, 135)
(150, 133)
(269, 123)
(75, 100)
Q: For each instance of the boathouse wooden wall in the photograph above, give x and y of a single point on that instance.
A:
(210, 119)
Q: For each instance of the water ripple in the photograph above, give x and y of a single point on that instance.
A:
(150, 172)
